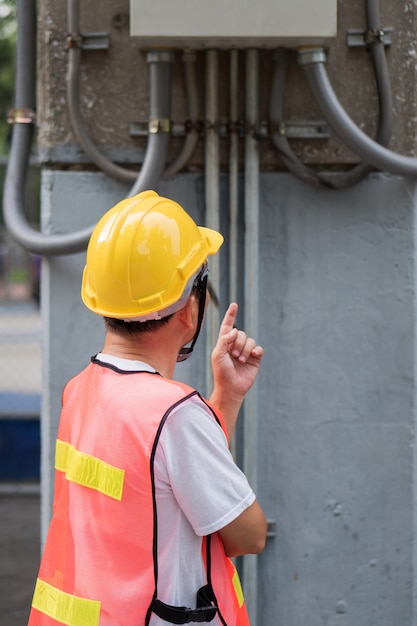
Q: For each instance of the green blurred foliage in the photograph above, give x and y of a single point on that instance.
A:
(8, 34)
(7, 68)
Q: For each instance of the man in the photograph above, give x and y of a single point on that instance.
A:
(149, 505)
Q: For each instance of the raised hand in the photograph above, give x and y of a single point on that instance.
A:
(235, 361)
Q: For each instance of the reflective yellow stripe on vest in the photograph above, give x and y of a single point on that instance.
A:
(88, 471)
(65, 608)
(238, 588)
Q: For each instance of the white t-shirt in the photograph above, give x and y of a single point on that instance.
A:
(199, 490)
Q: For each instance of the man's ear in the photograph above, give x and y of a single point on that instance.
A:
(186, 313)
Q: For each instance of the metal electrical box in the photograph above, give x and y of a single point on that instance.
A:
(232, 23)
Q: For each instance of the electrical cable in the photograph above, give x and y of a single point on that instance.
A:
(191, 140)
(313, 63)
(73, 100)
(160, 111)
(25, 98)
(22, 135)
(251, 299)
(160, 62)
(212, 194)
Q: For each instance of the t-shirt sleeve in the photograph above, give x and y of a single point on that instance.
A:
(195, 462)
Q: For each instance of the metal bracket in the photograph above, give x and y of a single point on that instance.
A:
(156, 125)
(271, 528)
(304, 130)
(357, 38)
(293, 130)
(160, 56)
(21, 116)
(95, 41)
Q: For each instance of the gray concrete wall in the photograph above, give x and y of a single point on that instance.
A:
(336, 422)
(336, 391)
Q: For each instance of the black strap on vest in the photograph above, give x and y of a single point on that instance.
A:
(204, 612)
(206, 600)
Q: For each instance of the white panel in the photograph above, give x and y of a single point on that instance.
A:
(235, 23)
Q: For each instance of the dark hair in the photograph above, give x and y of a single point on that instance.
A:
(130, 329)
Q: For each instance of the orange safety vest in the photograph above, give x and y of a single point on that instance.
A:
(99, 566)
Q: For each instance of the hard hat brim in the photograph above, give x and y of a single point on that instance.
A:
(213, 239)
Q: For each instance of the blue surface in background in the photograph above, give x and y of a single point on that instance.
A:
(19, 436)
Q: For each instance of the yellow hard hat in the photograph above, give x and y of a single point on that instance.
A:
(142, 256)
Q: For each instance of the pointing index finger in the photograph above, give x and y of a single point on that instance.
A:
(229, 319)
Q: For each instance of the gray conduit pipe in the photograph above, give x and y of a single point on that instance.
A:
(74, 43)
(25, 99)
(160, 63)
(15, 181)
(281, 60)
(372, 15)
(233, 176)
(160, 110)
(212, 193)
(251, 285)
(233, 187)
(358, 172)
(313, 63)
(191, 140)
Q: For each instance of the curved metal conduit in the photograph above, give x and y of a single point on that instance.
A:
(313, 63)
(15, 181)
(159, 122)
(74, 44)
(358, 172)
(25, 100)
(158, 140)
(160, 63)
